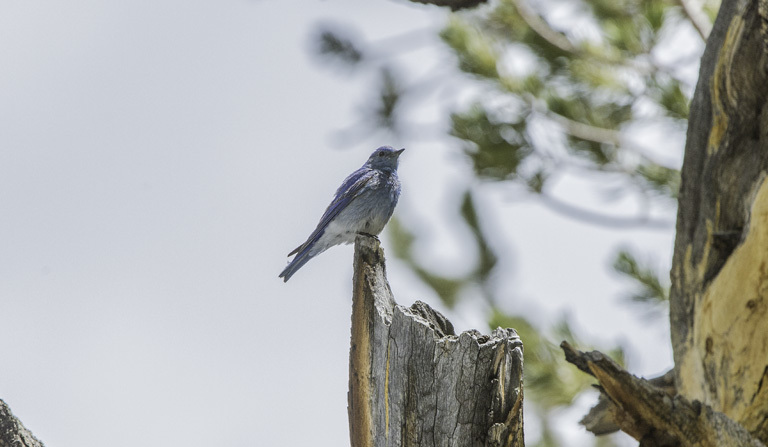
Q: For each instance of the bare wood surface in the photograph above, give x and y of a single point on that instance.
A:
(719, 293)
(654, 417)
(414, 382)
(12, 431)
(601, 419)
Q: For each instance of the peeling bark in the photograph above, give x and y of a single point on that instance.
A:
(414, 382)
(719, 295)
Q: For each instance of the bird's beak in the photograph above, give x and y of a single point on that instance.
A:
(399, 152)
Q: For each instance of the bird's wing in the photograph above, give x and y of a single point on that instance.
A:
(349, 189)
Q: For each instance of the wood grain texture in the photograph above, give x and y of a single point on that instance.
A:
(414, 382)
(654, 417)
(719, 293)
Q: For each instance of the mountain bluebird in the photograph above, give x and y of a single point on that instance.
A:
(362, 205)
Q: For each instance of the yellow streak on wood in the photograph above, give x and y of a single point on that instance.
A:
(721, 83)
(731, 337)
(691, 368)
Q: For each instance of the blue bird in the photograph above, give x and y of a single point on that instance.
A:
(362, 205)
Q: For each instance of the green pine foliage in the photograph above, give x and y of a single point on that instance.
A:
(590, 89)
(649, 288)
(496, 147)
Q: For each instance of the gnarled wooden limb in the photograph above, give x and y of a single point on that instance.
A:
(651, 415)
(414, 382)
(601, 419)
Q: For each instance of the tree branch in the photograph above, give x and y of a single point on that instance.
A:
(601, 419)
(605, 220)
(584, 131)
(588, 132)
(542, 28)
(654, 417)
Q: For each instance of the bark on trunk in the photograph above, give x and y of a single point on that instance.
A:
(413, 382)
(719, 296)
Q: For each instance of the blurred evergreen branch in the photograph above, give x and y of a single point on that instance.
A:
(449, 288)
(334, 45)
(649, 288)
(384, 115)
(550, 384)
(496, 148)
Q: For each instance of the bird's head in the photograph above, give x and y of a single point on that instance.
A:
(384, 158)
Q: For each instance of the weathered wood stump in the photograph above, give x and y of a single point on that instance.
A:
(414, 382)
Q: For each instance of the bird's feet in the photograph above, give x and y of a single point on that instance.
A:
(360, 233)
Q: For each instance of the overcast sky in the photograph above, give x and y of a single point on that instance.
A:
(159, 159)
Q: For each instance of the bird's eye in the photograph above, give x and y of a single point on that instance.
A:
(381, 154)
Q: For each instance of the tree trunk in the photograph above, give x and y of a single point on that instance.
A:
(12, 431)
(719, 295)
(413, 382)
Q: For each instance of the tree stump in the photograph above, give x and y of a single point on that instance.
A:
(414, 382)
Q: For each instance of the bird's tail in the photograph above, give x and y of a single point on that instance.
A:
(296, 264)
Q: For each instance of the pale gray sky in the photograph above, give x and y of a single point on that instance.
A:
(158, 160)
